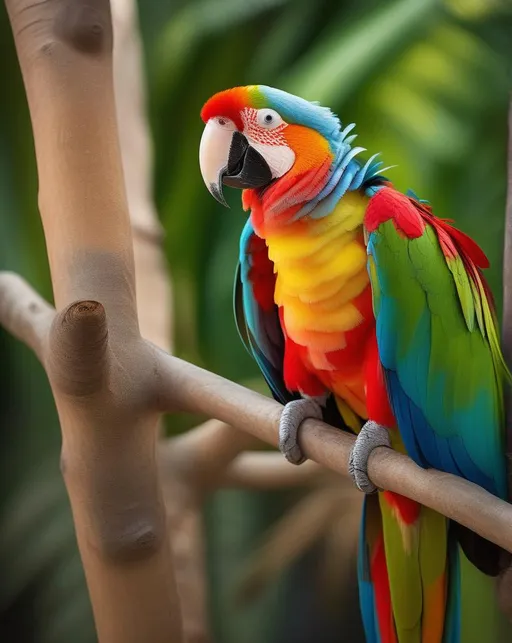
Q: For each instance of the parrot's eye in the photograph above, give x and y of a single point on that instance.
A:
(225, 123)
(269, 118)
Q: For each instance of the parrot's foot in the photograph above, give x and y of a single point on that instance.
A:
(294, 413)
(371, 436)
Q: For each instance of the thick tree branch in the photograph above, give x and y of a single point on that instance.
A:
(65, 53)
(99, 367)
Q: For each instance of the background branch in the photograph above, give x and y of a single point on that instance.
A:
(263, 471)
(154, 299)
(153, 283)
(314, 519)
(200, 456)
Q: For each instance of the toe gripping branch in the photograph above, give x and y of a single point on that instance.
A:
(371, 436)
(294, 413)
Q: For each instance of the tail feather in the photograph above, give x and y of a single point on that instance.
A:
(453, 612)
(435, 574)
(403, 574)
(480, 617)
(374, 593)
(401, 543)
(455, 602)
(366, 587)
(380, 579)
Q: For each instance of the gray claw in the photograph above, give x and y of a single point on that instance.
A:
(371, 436)
(294, 413)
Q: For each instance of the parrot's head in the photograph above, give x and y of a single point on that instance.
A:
(256, 136)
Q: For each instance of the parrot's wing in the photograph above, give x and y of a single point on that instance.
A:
(256, 315)
(438, 340)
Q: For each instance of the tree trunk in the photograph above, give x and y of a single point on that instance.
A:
(92, 351)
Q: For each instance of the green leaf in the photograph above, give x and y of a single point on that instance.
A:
(345, 58)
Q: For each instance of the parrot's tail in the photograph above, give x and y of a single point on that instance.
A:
(409, 576)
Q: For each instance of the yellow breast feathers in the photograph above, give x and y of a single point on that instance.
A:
(321, 268)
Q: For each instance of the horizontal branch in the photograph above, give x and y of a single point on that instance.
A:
(263, 471)
(24, 313)
(192, 389)
(183, 386)
(201, 456)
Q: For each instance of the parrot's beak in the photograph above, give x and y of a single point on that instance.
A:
(225, 157)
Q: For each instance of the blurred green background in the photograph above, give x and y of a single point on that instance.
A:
(427, 83)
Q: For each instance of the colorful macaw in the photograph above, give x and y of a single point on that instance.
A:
(362, 307)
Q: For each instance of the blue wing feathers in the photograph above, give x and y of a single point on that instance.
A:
(406, 419)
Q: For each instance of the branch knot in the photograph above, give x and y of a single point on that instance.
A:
(77, 348)
(85, 27)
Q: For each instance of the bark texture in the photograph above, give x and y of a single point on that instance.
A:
(91, 346)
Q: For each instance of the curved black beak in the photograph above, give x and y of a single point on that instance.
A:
(244, 167)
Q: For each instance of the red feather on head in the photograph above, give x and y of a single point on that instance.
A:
(228, 103)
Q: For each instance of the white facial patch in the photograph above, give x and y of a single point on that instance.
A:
(280, 158)
(263, 129)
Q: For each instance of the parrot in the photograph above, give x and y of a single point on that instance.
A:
(363, 308)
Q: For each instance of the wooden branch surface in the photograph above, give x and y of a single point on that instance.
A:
(97, 363)
(189, 388)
